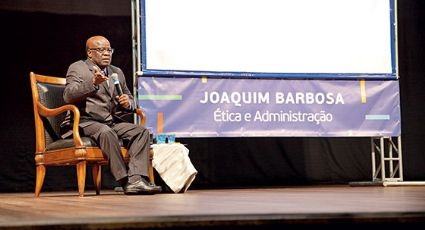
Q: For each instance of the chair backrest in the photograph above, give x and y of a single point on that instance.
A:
(48, 91)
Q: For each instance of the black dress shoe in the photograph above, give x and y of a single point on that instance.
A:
(141, 187)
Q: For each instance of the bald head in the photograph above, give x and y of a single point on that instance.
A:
(96, 41)
(97, 50)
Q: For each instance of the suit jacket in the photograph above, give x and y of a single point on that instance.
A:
(95, 105)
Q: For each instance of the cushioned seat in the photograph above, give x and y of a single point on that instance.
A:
(69, 143)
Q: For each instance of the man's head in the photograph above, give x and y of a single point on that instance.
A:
(99, 50)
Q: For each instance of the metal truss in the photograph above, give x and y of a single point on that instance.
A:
(387, 163)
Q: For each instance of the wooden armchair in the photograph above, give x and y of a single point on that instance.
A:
(51, 149)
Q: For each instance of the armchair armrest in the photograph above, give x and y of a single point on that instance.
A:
(141, 115)
(46, 112)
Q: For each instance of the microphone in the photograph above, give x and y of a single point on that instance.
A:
(116, 82)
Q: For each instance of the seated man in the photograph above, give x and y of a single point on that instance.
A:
(89, 87)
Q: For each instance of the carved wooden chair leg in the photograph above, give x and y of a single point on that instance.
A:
(40, 173)
(97, 173)
(151, 176)
(81, 177)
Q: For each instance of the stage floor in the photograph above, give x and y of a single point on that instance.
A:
(249, 208)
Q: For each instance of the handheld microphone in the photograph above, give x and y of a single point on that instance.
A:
(116, 82)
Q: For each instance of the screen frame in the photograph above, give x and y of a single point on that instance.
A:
(142, 63)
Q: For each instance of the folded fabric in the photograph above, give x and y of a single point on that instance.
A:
(173, 164)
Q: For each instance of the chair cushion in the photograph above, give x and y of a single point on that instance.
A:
(69, 142)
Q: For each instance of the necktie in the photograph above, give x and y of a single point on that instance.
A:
(104, 73)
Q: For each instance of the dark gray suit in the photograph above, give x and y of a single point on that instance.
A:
(98, 121)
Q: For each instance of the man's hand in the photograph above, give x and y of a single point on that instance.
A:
(124, 101)
(98, 77)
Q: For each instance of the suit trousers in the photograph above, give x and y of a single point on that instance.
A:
(107, 137)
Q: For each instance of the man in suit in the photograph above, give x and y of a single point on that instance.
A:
(89, 87)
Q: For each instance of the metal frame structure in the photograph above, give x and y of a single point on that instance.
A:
(386, 151)
(135, 45)
(387, 164)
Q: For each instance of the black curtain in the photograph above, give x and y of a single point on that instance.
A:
(47, 43)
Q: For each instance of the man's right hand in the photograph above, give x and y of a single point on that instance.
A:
(98, 77)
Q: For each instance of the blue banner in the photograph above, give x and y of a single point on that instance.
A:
(204, 107)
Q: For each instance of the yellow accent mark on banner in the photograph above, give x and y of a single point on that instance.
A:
(160, 122)
(204, 79)
(363, 91)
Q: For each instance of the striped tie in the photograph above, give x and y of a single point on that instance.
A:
(104, 73)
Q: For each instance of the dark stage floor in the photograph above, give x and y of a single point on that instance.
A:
(262, 208)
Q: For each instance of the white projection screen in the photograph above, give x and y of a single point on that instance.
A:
(269, 38)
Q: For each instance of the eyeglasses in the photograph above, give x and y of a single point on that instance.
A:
(103, 50)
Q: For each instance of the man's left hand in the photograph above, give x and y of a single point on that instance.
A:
(124, 101)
